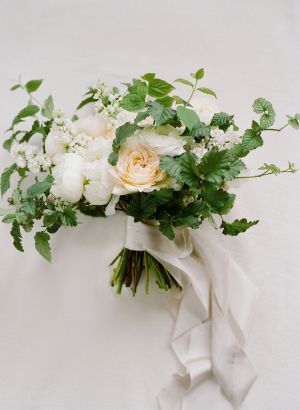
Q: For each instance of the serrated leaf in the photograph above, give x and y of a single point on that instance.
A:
(294, 121)
(264, 107)
(141, 206)
(237, 226)
(183, 81)
(171, 166)
(5, 178)
(17, 236)
(159, 88)
(48, 108)
(222, 120)
(208, 91)
(199, 74)
(250, 141)
(166, 229)
(189, 172)
(160, 113)
(68, 217)
(41, 240)
(33, 85)
(219, 200)
(270, 167)
(162, 196)
(122, 133)
(29, 206)
(218, 166)
(40, 187)
(188, 117)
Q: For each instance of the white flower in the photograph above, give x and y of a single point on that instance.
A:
(98, 148)
(55, 145)
(94, 126)
(199, 150)
(100, 184)
(164, 140)
(69, 178)
(205, 108)
(224, 140)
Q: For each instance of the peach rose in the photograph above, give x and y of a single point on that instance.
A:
(137, 169)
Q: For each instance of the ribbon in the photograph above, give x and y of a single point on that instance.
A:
(215, 313)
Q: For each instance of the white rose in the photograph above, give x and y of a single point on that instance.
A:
(69, 178)
(98, 148)
(164, 140)
(205, 107)
(97, 125)
(100, 184)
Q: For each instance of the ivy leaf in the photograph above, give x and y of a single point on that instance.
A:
(86, 101)
(264, 107)
(237, 226)
(48, 108)
(41, 240)
(40, 187)
(17, 236)
(294, 121)
(160, 113)
(183, 81)
(222, 120)
(33, 85)
(141, 207)
(199, 74)
(206, 90)
(159, 88)
(28, 111)
(133, 102)
(171, 166)
(5, 178)
(217, 166)
(166, 229)
(189, 172)
(188, 117)
(271, 167)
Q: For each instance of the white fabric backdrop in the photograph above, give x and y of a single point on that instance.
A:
(66, 340)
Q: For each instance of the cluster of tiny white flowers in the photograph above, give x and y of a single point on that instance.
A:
(79, 143)
(223, 140)
(199, 151)
(30, 156)
(108, 103)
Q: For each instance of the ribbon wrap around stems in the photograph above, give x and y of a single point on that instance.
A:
(214, 315)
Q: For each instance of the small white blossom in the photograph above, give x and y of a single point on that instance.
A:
(223, 140)
(30, 156)
(199, 150)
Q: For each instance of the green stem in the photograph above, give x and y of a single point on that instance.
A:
(275, 129)
(264, 174)
(192, 93)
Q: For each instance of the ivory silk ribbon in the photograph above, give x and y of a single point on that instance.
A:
(214, 316)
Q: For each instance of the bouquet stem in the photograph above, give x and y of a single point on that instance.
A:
(131, 265)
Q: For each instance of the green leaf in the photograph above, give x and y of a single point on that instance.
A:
(250, 141)
(162, 196)
(85, 102)
(141, 206)
(148, 76)
(222, 120)
(132, 102)
(167, 101)
(40, 187)
(92, 210)
(159, 88)
(159, 113)
(33, 85)
(189, 172)
(28, 111)
(220, 201)
(271, 167)
(29, 206)
(68, 217)
(17, 236)
(5, 178)
(206, 90)
(166, 229)
(141, 116)
(264, 107)
(294, 121)
(237, 226)
(48, 108)
(8, 143)
(171, 166)
(15, 87)
(41, 240)
(122, 133)
(199, 74)
(218, 166)
(183, 81)
(113, 158)
(188, 117)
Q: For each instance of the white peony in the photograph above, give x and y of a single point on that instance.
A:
(69, 178)
(97, 125)
(98, 189)
(55, 146)
(98, 148)
(205, 107)
(164, 140)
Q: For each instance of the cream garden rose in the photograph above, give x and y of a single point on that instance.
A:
(164, 140)
(137, 169)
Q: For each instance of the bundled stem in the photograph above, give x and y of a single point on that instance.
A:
(130, 266)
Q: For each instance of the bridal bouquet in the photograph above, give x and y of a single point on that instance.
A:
(164, 160)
